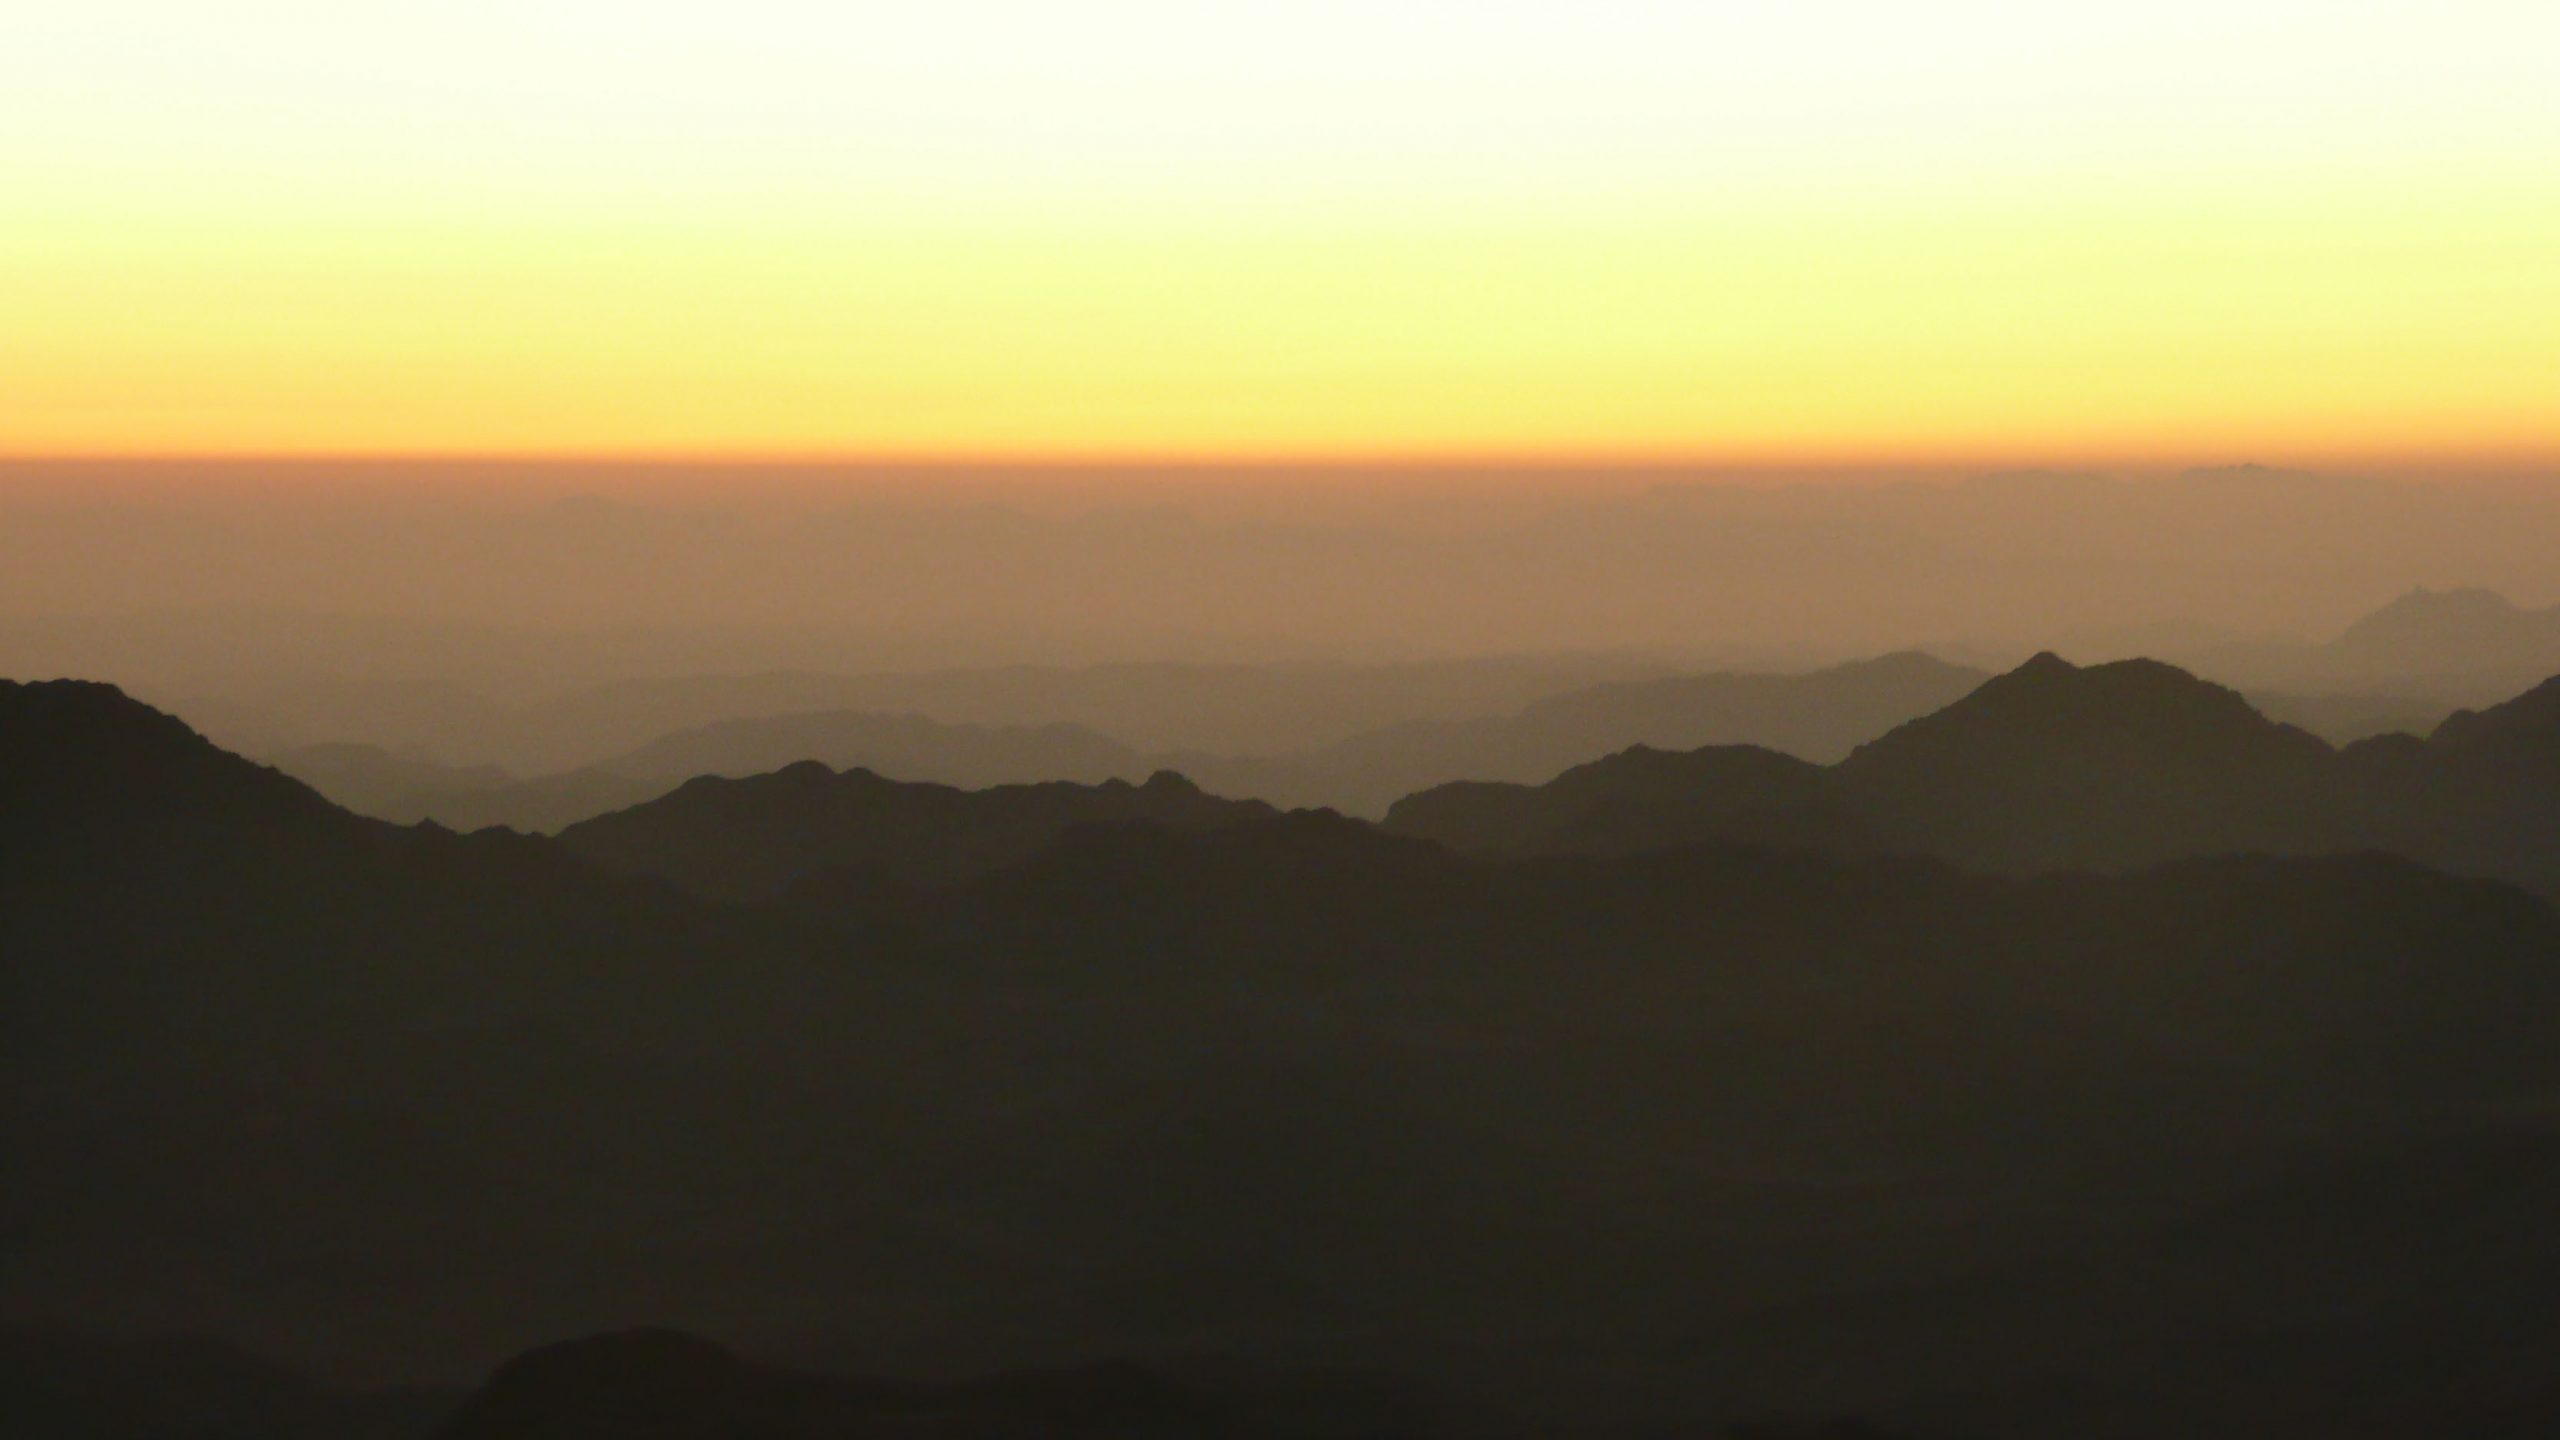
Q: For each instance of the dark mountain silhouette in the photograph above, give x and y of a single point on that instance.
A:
(2524, 727)
(2050, 766)
(2481, 794)
(754, 836)
(1701, 1132)
(85, 771)
(81, 751)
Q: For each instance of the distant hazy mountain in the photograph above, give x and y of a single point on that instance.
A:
(2457, 647)
(1820, 715)
(406, 789)
(754, 836)
(2343, 719)
(910, 747)
(2452, 633)
(1229, 709)
(409, 788)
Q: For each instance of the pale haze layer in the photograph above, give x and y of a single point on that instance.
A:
(354, 600)
(1825, 233)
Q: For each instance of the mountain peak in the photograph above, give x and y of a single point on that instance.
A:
(2423, 616)
(2456, 633)
(2461, 603)
(2104, 765)
(2118, 695)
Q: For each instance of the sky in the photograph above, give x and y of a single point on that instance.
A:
(1826, 232)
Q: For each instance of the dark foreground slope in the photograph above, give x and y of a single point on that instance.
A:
(2226, 1148)
(77, 1387)
(671, 1386)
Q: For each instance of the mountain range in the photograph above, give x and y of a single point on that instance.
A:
(1678, 1129)
(409, 788)
(1294, 735)
(1820, 714)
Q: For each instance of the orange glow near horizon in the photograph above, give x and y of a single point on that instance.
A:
(2104, 335)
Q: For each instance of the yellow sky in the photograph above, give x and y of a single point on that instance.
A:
(1850, 229)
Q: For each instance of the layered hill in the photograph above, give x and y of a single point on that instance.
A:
(1645, 799)
(1818, 715)
(407, 789)
(752, 837)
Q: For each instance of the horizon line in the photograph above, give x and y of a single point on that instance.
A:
(1249, 461)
